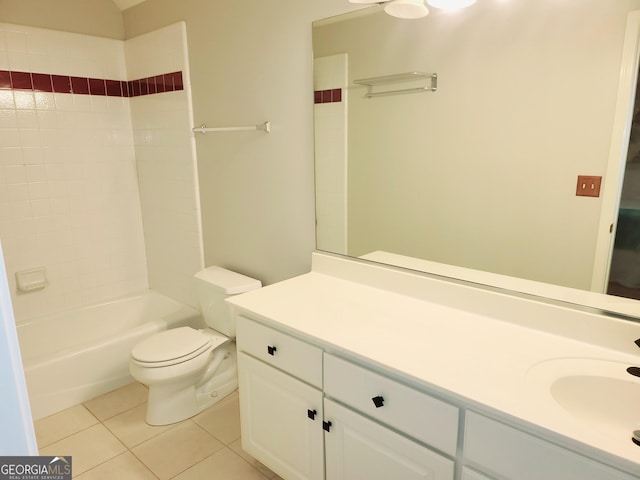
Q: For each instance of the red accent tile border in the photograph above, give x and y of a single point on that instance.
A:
(5, 79)
(80, 85)
(61, 84)
(41, 82)
(333, 95)
(44, 82)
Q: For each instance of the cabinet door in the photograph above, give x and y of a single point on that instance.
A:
(510, 453)
(360, 449)
(278, 423)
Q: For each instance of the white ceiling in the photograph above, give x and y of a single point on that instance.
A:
(124, 4)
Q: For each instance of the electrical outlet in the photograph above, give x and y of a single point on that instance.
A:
(588, 186)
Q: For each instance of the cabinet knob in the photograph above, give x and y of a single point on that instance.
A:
(378, 401)
(326, 426)
(312, 414)
(271, 350)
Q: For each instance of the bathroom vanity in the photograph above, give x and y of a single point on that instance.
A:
(364, 371)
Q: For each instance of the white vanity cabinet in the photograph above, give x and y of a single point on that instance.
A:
(374, 428)
(407, 410)
(507, 452)
(358, 448)
(376, 446)
(418, 375)
(280, 401)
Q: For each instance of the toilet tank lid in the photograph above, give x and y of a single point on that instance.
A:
(230, 282)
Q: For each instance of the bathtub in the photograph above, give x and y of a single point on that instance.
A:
(73, 356)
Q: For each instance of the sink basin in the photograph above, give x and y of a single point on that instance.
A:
(600, 394)
(603, 400)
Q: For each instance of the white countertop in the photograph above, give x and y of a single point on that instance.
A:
(474, 359)
(610, 303)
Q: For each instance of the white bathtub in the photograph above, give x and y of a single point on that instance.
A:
(76, 355)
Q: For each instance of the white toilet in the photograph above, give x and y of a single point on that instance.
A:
(186, 369)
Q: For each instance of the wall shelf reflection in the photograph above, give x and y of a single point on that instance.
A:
(430, 79)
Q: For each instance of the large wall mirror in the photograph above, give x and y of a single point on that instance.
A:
(482, 172)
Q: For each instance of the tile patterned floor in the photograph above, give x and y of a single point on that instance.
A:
(108, 439)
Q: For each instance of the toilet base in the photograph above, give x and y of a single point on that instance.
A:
(176, 401)
(168, 409)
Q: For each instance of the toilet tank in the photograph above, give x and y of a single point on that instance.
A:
(213, 285)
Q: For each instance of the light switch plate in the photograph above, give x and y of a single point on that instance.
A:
(588, 186)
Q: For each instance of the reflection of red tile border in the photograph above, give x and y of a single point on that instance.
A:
(43, 82)
(327, 96)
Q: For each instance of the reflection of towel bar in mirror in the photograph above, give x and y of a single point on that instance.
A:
(266, 127)
(431, 86)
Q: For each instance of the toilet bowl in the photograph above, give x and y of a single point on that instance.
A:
(186, 369)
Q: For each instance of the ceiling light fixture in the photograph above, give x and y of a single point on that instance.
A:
(400, 8)
(407, 9)
(451, 4)
(415, 8)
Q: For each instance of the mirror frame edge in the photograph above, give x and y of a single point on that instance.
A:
(619, 145)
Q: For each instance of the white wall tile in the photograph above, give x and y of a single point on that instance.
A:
(15, 174)
(69, 193)
(9, 138)
(27, 119)
(17, 61)
(24, 100)
(166, 165)
(40, 63)
(52, 211)
(4, 60)
(15, 41)
(8, 119)
(6, 100)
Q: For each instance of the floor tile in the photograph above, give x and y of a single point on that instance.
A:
(222, 420)
(237, 448)
(132, 429)
(122, 467)
(62, 424)
(118, 401)
(89, 448)
(177, 449)
(189, 450)
(222, 465)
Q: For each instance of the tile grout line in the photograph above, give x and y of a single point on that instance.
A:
(119, 455)
(113, 432)
(225, 446)
(40, 447)
(101, 422)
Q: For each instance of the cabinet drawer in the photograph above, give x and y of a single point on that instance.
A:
(513, 454)
(418, 415)
(279, 350)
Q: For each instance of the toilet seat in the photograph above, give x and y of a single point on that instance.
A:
(174, 346)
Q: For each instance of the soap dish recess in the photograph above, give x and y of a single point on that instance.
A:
(32, 279)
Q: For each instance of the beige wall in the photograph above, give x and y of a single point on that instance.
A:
(92, 17)
(251, 61)
(488, 163)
